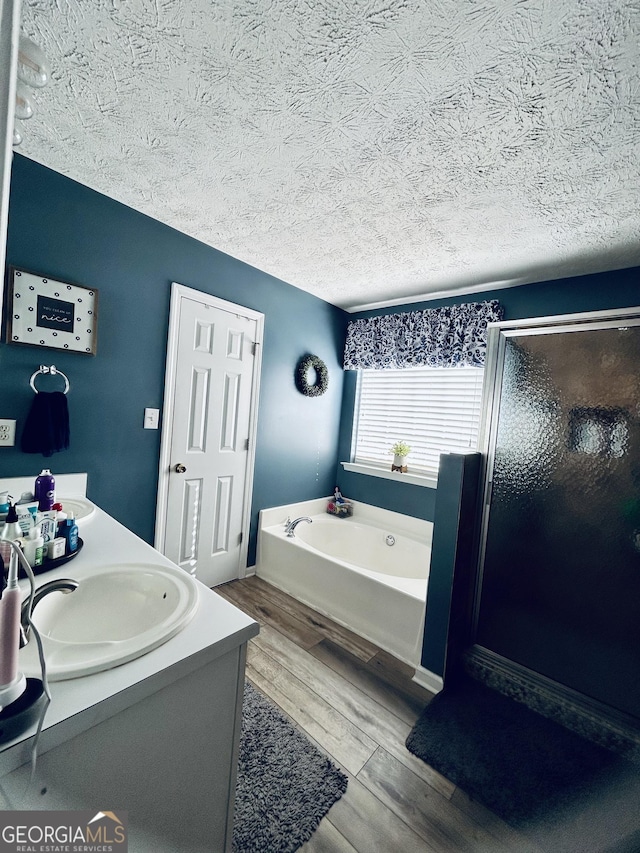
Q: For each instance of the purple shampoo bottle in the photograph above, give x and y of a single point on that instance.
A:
(45, 490)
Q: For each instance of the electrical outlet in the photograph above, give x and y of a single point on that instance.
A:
(7, 432)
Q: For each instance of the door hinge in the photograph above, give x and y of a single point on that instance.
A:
(246, 444)
(487, 497)
(240, 537)
(254, 347)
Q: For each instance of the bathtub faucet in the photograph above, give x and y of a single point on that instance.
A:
(291, 526)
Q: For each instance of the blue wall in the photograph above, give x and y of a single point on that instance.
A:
(617, 289)
(64, 230)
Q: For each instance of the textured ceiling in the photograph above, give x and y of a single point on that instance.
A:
(363, 150)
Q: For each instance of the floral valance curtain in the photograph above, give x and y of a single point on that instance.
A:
(455, 336)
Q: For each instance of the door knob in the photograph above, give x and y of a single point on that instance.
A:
(180, 468)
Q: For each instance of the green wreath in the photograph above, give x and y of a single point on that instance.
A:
(322, 376)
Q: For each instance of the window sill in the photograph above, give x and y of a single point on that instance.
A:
(386, 473)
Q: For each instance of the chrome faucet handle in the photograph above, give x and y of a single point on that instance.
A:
(291, 526)
(288, 521)
(64, 585)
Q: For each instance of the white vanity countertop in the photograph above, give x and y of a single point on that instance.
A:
(77, 704)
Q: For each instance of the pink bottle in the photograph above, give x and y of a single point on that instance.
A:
(9, 635)
(12, 683)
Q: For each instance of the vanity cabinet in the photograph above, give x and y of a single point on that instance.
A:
(167, 761)
(156, 738)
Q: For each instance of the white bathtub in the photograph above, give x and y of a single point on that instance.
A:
(344, 568)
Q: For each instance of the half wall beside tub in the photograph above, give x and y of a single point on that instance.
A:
(453, 563)
(368, 573)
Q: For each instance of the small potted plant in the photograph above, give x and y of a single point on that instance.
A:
(400, 452)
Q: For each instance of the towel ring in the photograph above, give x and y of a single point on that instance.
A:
(53, 370)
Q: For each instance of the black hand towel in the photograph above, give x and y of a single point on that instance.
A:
(46, 429)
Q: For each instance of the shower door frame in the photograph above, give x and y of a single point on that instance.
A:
(582, 713)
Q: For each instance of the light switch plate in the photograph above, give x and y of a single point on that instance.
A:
(151, 418)
(7, 432)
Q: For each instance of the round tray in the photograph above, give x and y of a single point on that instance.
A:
(47, 564)
(21, 714)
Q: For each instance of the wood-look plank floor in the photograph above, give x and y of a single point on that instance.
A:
(358, 704)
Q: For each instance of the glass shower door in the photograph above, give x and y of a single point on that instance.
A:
(559, 589)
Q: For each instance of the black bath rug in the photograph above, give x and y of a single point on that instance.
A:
(285, 784)
(565, 792)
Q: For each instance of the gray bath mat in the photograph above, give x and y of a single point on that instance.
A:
(285, 784)
(568, 794)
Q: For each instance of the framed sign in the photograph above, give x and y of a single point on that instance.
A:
(43, 312)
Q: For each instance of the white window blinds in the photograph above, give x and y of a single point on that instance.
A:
(435, 410)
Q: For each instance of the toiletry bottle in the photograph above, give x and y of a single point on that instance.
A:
(45, 490)
(4, 506)
(33, 547)
(25, 518)
(11, 530)
(70, 534)
(48, 527)
(61, 517)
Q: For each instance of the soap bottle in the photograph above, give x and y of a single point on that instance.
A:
(70, 534)
(45, 490)
(11, 530)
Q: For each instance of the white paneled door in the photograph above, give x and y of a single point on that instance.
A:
(208, 430)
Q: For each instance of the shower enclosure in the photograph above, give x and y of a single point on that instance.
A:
(556, 618)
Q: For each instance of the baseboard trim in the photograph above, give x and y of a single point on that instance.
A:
(427, 679)
(587, 717)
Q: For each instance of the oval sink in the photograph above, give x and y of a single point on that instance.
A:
(114, 616)
(82, 508)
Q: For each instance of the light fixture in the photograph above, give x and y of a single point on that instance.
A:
(23, 109)
(17, 132)
(33, 69)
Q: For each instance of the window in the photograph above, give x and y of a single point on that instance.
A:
(435, 410)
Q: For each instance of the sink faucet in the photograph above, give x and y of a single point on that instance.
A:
(65, 585)
(291, 526)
